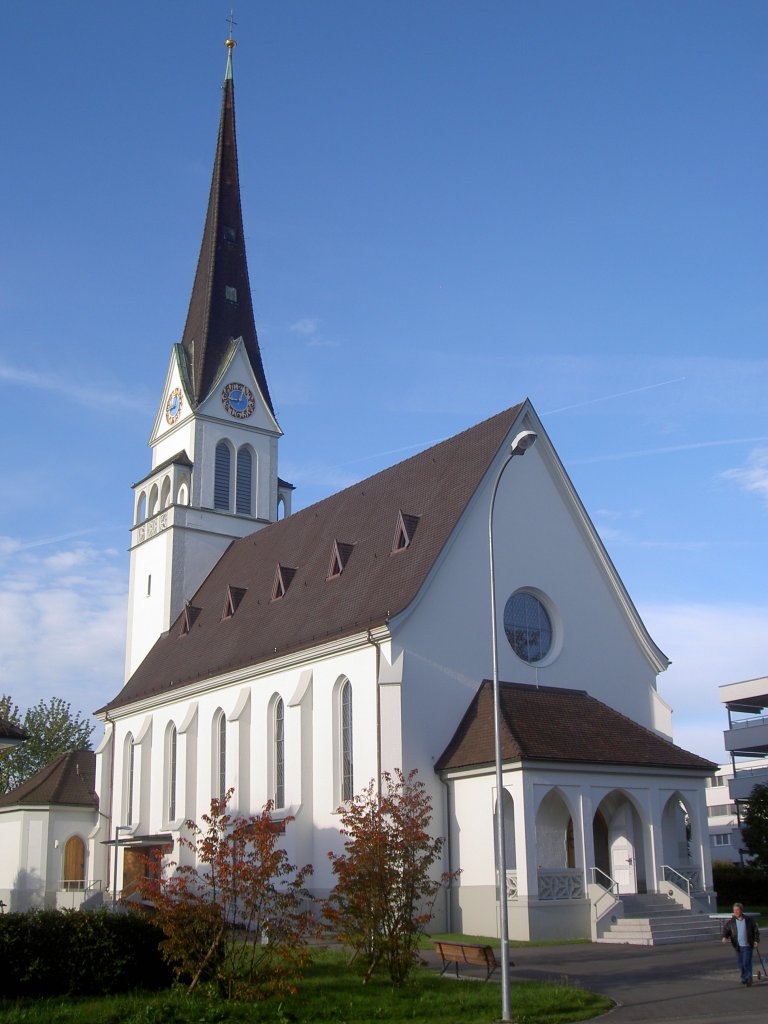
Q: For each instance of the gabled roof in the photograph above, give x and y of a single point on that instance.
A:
(70, 779)
(375, 585)
(220, 308)
(547, 723)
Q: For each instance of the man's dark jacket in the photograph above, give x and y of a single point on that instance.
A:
(730, 932)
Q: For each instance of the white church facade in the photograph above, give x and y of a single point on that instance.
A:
(294, 656)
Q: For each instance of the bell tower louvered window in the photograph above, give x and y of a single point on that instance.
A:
(243, 491)
(221, 476)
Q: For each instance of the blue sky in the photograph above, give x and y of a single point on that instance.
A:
(448, 207)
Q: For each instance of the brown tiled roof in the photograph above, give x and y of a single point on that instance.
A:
(374, 585)
(547, 723)
(70, 779)
(213, 321)
(9, 731)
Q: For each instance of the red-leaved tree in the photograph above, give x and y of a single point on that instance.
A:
(238, 916)
(385, 888)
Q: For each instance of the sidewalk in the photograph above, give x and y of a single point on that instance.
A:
(695, 983)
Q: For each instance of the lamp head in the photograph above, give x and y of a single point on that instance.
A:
(524, 440)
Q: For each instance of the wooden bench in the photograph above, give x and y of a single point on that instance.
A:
(472, 953)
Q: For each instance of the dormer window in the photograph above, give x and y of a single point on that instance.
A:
(339, 558)
(188, 618)
(230, 293)
(283, 577)
(404, 531)
(232, 601)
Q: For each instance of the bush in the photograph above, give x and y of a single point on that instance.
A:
(733, 883)
(67, 952)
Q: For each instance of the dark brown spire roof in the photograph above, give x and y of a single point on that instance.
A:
(373, 585)
(548, 723)
(220, 308)
(70, 779)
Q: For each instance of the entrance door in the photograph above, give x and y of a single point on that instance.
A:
(622, 847)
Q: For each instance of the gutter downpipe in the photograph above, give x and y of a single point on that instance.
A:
(448, 854)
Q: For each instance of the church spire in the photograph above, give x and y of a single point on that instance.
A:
(220, 308)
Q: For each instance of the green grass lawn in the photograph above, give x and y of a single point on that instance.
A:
(329, 992)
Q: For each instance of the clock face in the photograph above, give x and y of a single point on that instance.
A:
(238, 400)
(173, 408)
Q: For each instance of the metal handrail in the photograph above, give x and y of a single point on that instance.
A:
(673, 871)
(611, 890)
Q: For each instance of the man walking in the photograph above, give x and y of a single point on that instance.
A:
(744, 935)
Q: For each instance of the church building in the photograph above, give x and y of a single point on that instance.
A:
(293, 656)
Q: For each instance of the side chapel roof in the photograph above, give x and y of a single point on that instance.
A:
(220, 307)
(550, 723)
(330, 570)
(10, 733)
(70, 779)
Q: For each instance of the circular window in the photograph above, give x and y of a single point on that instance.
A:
(528, 626)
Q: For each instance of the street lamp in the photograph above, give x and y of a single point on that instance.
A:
(118, 830)
(519, 446)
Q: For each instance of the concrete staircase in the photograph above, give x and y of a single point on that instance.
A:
(656, 920)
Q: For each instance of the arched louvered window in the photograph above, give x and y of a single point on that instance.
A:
(347, 782)
(221, 476)
(243, 493)
(279, 753)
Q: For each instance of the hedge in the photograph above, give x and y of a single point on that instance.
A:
(734, 883)
(67, 952)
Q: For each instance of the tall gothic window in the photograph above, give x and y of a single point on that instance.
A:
(171, 768)
(279, 753)
(243, 491)
(130, 756)
(345, 750)
(220, 755)
(221, 476)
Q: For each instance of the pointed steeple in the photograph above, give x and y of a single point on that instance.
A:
(220, 308)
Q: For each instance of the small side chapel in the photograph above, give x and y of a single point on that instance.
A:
(294, 656)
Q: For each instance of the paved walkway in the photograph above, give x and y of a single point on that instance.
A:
(694, 983)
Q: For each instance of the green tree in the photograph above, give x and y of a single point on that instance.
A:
(385, 879)
(754, 830)
(52, 728)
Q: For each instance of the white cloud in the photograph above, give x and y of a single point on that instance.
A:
(93, 394)
(753, 476)
(307, 325)
(62, 633)
(709, 645)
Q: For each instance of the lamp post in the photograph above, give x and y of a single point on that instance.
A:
(118, 830)
(519, 446)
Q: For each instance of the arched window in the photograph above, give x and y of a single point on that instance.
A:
(221, 476)
(278, 752)
(165, 493)
(244, 493)
(130, 765)
(74, 864)
(219, 755)
(153, 498)
(170, 765)
(345, 744)
(141, 508)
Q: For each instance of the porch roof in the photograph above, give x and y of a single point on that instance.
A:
(550, 723)
(70, 779)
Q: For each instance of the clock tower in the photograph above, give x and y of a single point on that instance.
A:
(214, 440)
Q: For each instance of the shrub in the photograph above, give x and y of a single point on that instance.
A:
(239, 919)
(734, 883)
(385, 888)
(67, 952)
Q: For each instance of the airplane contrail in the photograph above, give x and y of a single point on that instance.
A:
(619, 394)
